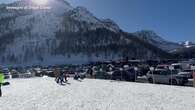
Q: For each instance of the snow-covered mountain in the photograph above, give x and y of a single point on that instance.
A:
(187, 52)
(187, 44)
(156, 40)
(64, 34)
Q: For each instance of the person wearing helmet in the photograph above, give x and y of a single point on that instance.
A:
(1, 81)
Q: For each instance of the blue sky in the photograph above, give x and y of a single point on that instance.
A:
(174, 20)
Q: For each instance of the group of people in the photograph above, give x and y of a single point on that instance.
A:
(60, 76)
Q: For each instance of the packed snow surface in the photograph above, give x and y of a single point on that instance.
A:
(90, 94)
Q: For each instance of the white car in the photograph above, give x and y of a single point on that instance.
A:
(166, 77)
(187, 73)
(162, 67)
(7, 74)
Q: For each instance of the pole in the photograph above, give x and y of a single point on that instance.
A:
(153, 76)
(152, 70)
(121, 75)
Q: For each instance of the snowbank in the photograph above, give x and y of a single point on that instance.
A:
(45, 94)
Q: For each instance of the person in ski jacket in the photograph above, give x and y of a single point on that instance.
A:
(90, 72)
(193, 74)
(66, 75)
(57, 75)
(1, 81)
(61, 77)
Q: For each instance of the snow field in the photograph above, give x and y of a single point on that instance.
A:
(91, 94)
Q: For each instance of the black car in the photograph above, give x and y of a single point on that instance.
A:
(124, 75)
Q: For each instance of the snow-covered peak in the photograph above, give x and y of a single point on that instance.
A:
(83, 10)
(110, 23)
(156, 40)
(36, 34)
(82, 14)
(59, 6)
(187, 44)
(55, 5)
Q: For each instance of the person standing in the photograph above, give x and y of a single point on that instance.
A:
(61, 77)
(1, 81)
(194, 78)
(90, 72)
(57, 75)
(66, 75)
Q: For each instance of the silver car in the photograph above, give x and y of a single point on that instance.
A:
(7, 74)
(166, 77)
(187, 73)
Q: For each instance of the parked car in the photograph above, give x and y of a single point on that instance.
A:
(143, 70)
(102, 75)
(187, 73)
(177, 66)
(162, 67)
(166, 77)
(49, 73)
(7, 74)
(15, 74)
(126, 75)
(38, 72)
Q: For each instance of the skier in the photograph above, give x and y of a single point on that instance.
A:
(1, 81)
(90, 72)
(57, 75)
(76, 76)
(61, 78)
(66, 76)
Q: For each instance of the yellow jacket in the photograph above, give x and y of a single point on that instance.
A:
(1, 78)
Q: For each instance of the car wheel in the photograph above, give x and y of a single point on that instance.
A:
(113, 78)
(150, 80)
(182, 84)
(173, 82)
(133, 80)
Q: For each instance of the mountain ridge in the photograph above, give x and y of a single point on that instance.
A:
(66, 35)
(154, 39)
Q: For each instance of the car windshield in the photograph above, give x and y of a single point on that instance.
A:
(161, 67)
(177, 67)
(187, 71)
(6, 71)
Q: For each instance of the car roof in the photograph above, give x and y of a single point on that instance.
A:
(163, 65)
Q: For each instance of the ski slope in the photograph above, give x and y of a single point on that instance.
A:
(91, 94)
